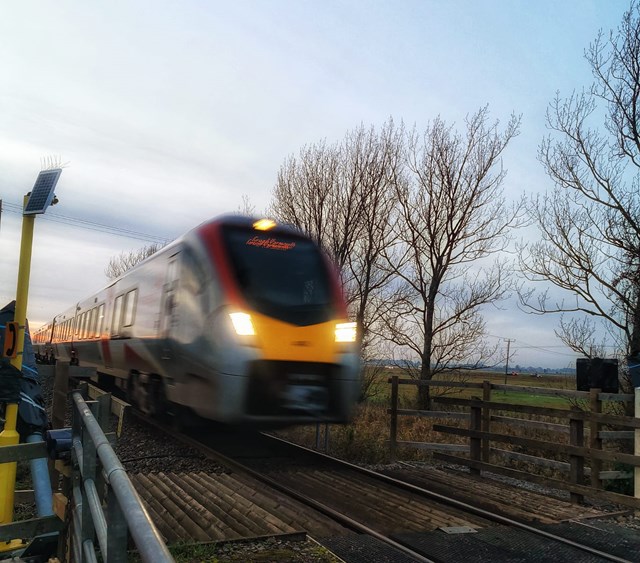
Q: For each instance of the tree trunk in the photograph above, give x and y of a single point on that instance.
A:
(634, 339)
(424, 392)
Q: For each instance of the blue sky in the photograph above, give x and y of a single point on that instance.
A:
(169, 112)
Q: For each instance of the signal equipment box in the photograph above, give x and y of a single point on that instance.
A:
(633, 362)
(597, 373)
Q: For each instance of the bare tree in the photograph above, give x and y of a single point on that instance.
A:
(118, 265)
(453, 218)
(311, 195)
(342, 196)
(590, 221)
(246, 207)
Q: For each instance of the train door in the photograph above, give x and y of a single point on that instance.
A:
(169, 313)
(106, 325)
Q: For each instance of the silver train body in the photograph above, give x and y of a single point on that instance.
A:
(240, 321)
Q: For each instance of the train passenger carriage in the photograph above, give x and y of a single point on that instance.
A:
(240, 320)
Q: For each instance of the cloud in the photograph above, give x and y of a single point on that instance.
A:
(169, 114)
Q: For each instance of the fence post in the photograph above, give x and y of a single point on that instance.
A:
(636, 446)
(475, 444)
(576, 462)
(326, 437)
(393, 444)
(103, 412)
(118, 530)
(595, 443)
(89, 472)
(486, 419)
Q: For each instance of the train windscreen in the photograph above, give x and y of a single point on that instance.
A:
(280, 275)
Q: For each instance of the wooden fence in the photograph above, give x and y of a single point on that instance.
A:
(576, 443)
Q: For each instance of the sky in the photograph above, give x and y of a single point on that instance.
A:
(168, 113)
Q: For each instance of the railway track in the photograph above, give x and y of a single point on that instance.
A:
(268, 487)
(385, 518)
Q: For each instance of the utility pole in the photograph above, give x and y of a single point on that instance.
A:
(506, 367)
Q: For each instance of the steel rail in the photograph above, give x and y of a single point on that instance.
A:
(343, 519)
(456, 503)
(352, 524)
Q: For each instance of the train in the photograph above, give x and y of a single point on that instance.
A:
(241, 320)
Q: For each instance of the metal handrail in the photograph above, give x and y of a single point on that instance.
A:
(125, 510)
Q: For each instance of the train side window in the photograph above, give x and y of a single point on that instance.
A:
(194, 281)
(94, 319)
(172, 270)
(192, 275)
(94, 322)
(117, 313)
(83, 326)
(100, 320)
(130, 307)
(80, 326)
(89, 332)
(87, 325)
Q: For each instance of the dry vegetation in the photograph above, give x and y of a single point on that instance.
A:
(366, 439)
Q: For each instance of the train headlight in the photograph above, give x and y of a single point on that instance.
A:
(264, 224)
(242, 324)
(346, 332)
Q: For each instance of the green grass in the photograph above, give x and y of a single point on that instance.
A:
(407, 393)
(527, 399)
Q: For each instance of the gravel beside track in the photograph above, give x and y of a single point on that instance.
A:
(142, 449)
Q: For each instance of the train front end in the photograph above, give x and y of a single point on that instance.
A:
(292, 355)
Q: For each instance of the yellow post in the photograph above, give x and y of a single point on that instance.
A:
(9, 436)
(22, 291)
(636, 448)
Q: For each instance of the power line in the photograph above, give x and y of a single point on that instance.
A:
(91, 225)
(542, 347)
(548, 350)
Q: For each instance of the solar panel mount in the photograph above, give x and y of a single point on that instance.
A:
(42, 192)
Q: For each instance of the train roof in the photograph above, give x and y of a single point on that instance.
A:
(250, 221)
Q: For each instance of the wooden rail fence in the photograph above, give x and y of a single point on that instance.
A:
(576, 445)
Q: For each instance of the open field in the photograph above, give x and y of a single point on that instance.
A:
(382, 389)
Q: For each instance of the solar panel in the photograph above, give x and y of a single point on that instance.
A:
(42, 192)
